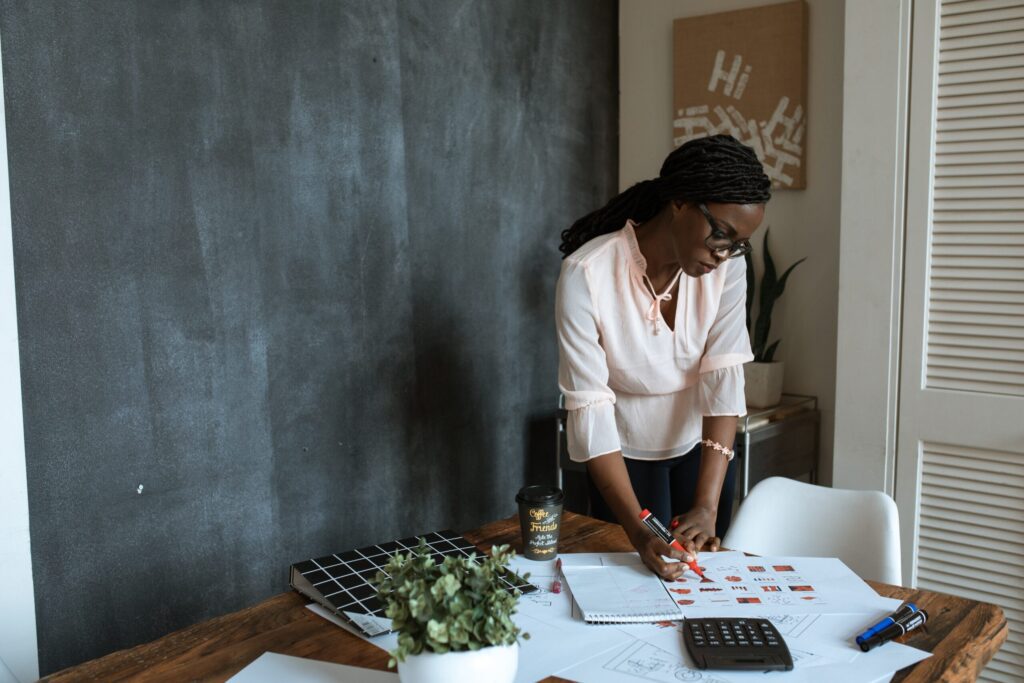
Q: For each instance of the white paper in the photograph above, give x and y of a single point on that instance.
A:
(274, 668)
(563, 644)
(833, 635)
(735, 586)
(385, 641)
(662, 657)
(559, 638)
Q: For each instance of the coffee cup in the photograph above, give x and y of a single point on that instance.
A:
(540, 518)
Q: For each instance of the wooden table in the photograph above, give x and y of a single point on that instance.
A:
(962, 634)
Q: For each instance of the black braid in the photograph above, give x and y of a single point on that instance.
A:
(718, 169)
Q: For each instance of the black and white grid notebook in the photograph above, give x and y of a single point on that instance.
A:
(343, 582)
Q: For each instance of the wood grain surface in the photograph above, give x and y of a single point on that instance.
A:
(962, 634)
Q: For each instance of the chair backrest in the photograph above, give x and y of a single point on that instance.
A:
(786, 517)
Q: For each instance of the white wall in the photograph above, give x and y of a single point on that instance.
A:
(17, 603)
(804, 222)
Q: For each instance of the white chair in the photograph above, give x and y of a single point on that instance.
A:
(786, 517)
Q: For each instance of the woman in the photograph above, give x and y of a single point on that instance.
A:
(650, 311)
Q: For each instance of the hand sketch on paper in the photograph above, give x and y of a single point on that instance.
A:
(651, 663)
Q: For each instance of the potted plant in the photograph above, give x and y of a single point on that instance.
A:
(763, 376)
(453, 618)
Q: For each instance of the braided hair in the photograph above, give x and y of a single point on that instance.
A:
(718, 169)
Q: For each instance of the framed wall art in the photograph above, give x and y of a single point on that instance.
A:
(745, 73)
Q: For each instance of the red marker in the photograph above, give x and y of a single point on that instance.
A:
(556, 584)
(652, 523)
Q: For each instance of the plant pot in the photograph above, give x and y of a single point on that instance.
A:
(495, 664)
(763, 384)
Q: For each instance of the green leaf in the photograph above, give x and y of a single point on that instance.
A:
(771, 289)
(458, 604)
(445, 587)
(764, 313)
(437, 631)
(780, 286)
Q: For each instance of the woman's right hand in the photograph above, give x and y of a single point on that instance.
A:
(652, 548)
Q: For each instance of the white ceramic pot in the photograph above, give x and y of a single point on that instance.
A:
(495, 664)
(763, 384)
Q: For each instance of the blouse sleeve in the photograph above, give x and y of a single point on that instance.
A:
(727, 349)
(583, 368)
(720, 392)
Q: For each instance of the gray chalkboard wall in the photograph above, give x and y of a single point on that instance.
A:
(285, 275)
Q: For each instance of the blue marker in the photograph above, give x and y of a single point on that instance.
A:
(896, 630)
(902, 613)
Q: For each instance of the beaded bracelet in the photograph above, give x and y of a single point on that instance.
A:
(714, 445)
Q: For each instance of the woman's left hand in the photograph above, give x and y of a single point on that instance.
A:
(695, 528)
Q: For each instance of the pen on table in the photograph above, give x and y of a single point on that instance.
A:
(895, 630)
(556, 583)
(655, 525)
(902, 612)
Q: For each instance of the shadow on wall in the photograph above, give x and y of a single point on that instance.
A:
(541, 432)
(537, 277)
(451, 445)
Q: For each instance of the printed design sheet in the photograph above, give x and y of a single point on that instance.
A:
(746, 581)
(737, 585)
(734, 585)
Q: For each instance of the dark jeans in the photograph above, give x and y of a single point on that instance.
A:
(667, 488)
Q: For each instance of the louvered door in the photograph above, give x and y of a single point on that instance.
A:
(960, 444)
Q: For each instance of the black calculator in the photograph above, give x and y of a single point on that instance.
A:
(736, 644)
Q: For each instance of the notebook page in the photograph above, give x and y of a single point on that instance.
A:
(617, 587)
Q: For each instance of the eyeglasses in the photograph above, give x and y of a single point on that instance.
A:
(718, 241)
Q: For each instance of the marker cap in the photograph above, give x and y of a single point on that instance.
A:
(904, 612)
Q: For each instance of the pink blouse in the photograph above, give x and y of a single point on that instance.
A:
(630, 382)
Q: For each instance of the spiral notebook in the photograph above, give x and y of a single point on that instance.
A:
(343, 582)
(613, 588)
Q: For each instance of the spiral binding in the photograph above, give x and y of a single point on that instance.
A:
(610, 618)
